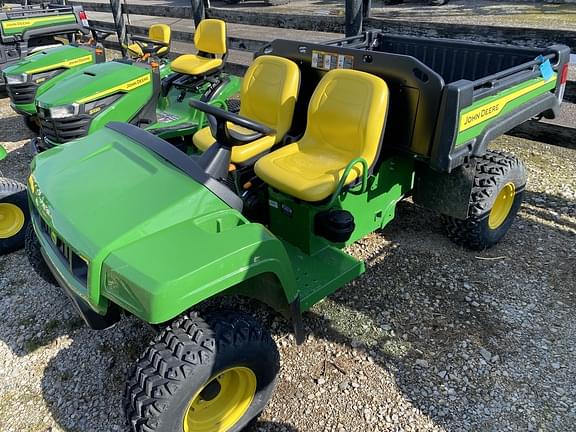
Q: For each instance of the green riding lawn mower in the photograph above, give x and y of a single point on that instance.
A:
(36, 74)
(14, 215)
(151, 94)
(328, 139)
(28, 29)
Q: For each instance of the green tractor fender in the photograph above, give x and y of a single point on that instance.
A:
(179, 267)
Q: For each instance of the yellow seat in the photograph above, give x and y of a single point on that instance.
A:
(157, 32)
(268, 96)
(346, 117)
(210, 41)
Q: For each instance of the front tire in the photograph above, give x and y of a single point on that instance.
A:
(203, 375)
(496, 197)
(14, 215)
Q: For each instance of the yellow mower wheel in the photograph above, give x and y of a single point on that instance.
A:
(12, 220)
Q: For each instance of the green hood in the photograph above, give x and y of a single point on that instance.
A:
(95, 82)
(3, 153)
(105, 191)
(55, 58)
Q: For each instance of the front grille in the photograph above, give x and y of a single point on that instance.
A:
(22, 93)
(63, 130)
(76, 264)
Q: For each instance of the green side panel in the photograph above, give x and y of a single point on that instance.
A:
(3, 152)
(511, 103)
(124, 109)
(375, 208)
(18, 26)
(372, 209)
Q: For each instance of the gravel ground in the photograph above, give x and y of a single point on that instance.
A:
(432, 337)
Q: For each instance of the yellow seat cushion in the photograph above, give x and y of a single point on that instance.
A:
(157, 32)
(268, 96)
(191, 64)
(346, 118)
(203, 139)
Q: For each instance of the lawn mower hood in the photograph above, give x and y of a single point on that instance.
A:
(156, 238)
(96, 82)
(64, 57)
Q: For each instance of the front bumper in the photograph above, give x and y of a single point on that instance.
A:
(73, 287)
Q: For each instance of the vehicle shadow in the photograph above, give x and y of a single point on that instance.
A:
(424, 301)
(443, 318)
(13, 129)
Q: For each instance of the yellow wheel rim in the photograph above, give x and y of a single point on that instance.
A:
(11, 220)
(222, 402)
(502, 205)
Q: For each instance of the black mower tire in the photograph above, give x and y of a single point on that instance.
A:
(496, 173)
(18, 198)
(31, 123)
(35, 257)
(190, 357)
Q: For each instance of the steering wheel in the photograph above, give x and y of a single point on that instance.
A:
(147, 45)
(100, 34)
(218, 120)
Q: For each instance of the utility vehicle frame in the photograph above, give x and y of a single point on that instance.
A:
(329, 138)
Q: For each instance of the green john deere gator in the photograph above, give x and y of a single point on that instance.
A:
(329, 138)
(14, 216)
(29, 29)
(151, 94)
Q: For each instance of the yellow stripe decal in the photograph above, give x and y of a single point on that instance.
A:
(130, 85)
(492, 109)
(66, 64)
(7, 25)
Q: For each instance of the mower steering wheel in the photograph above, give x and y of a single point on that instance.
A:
(219, 118)
(99, 33)
(147, 45)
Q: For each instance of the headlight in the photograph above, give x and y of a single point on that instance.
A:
(16, 79)
(64, 111)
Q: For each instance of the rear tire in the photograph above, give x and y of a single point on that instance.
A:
(496, 197)
(201, 374)
(14, 215)
(35, 257)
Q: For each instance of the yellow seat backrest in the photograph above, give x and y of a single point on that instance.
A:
(346, 116)
(269, 92)
(210, 36)
(160, 32)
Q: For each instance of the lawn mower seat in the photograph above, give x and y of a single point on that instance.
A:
(157, 32)
(268, 96)
(210, 41)
(346, 118)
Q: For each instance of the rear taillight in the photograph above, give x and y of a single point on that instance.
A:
(563, 79)
(564, 74)
(83, 18)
